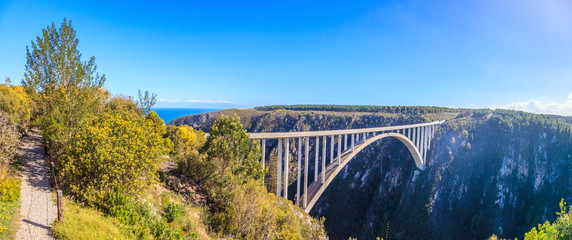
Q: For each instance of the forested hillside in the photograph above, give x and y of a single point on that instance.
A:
(364, 108)
(489, 172)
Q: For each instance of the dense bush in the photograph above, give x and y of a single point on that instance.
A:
(560, 229)
(122, 104)
(15, 105)
(185, 139)
(9, 139)
(145, 224)
(158, 123)
(14, 116)
(114, 151)
(253, 213)
(173, 211)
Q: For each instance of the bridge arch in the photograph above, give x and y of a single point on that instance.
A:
(347, 158)
(416, 137)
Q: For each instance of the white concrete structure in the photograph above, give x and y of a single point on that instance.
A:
(417, 140)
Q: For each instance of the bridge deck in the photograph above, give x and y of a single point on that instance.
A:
(276, 135)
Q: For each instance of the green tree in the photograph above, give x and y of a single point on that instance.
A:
(146, 101)
(64, 88)
(229, 148)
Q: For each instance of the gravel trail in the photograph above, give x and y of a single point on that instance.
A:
(37, 209)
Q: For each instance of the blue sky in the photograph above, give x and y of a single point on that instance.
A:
(221, 54)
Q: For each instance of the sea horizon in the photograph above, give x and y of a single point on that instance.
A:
(170, 114)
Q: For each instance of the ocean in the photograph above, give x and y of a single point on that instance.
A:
(169, 114)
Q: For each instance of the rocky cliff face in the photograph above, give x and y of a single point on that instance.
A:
(501, 173)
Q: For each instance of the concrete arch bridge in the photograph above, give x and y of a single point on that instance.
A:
(333, 150)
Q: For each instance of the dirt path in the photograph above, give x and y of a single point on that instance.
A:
(37, 209)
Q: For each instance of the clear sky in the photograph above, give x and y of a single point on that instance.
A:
(221, 54)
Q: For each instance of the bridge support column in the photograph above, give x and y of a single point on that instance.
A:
(430, 135)
(422, 143)
(339, 148)
(279, 169)
(424, 134)
(324, 140)
(346, 141)
(414, 135)
(306, 172)
(263, 157)
(299, 171)
(426, 145)
(353, 141)
(418, 138)
(409, 133)
(286, 162)
(332, 150)
(317, 156)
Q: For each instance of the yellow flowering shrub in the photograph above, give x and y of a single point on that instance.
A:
(9, 189)
(158, 123)
(15, 105)
(112, 152)
(188, 135)
(185, 139)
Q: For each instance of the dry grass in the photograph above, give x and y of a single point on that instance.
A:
(87, 223)
(191, 223)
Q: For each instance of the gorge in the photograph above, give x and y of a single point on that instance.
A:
(489, 172)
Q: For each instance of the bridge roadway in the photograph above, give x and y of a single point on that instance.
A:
(416, 137)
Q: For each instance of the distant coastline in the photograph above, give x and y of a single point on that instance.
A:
(169, 114)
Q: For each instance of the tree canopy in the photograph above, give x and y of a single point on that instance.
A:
(64, 88)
